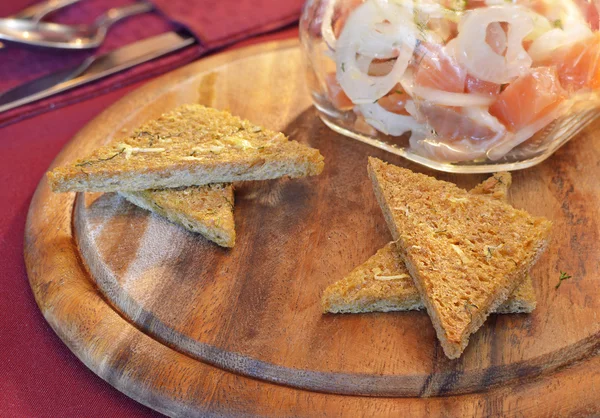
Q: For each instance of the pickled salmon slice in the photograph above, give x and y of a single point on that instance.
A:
(477, 86)
(336, 94)
(395, 101)
(528, 98)
(589, 10)
(454, 124)
(474, 4)
(436, 69)
(578, 65)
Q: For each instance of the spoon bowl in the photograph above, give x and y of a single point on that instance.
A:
(48, 34)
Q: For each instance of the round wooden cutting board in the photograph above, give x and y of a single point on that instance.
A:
(192, 329)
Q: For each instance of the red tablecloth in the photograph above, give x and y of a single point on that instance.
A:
(39, 376)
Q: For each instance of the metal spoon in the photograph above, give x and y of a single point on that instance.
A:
(54, 35)
(38, 11)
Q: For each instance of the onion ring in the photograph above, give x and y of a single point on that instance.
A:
(479, 58)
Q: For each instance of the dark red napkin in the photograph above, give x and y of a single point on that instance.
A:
(215, 24)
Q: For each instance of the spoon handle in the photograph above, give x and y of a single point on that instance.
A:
(39, 10)
(116, 14)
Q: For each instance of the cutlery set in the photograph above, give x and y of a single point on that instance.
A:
(27, 28)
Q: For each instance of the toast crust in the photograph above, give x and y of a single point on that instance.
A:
(191, 145)
(207, 210)
(465, 253)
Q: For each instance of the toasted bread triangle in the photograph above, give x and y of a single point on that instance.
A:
(207, 210)
(466, 253)
(191, 145)
(383, 284)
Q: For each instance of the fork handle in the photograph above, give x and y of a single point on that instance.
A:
(116, 14)
(39, 10)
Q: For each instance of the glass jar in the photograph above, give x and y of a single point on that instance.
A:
(467, 86)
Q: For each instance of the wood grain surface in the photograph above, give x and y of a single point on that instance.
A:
(191, 329)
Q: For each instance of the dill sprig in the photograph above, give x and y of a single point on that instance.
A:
(563, 276)
(421, 58)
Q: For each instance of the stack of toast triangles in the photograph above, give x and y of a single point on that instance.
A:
(461, 255)
(182, 164)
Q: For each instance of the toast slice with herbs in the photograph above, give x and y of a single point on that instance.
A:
(207, 210)
(465, 252)
(192, 145)
(383, 284)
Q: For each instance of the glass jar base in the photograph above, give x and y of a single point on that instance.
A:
(486, 166)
